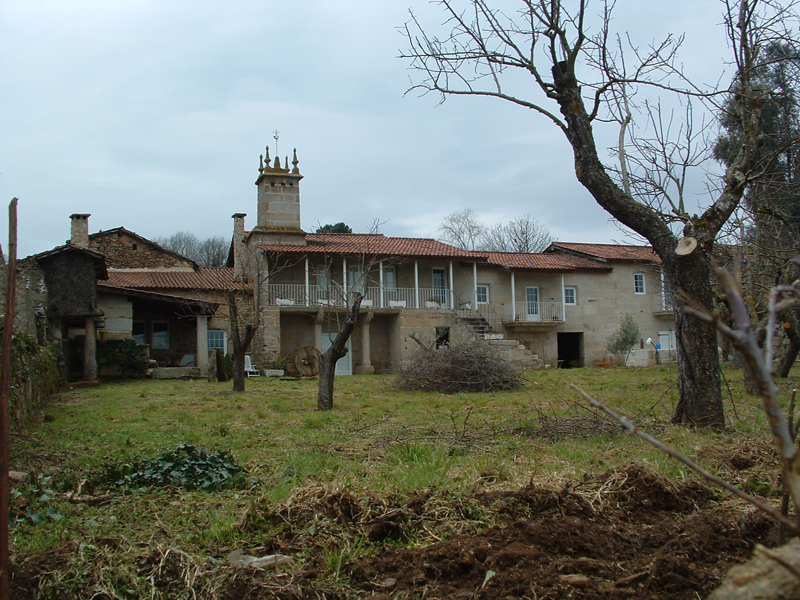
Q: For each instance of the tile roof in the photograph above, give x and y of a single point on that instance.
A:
(544, 262)
(205, 278)
(377, 244)
(99, 260)
(610, 252)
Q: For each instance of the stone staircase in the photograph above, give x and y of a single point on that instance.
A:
(515, 353)
(477, 323)
(511, 350)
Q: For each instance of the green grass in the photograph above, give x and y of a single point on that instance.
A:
(377, 443)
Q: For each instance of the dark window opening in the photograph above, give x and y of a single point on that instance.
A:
(442, 337)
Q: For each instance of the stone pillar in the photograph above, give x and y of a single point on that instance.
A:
(90, 351)
(239, 246)
(201, 355)
(318, 330)
(365, 368)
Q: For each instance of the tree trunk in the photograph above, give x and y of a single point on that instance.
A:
(240, 344)
(327, 367)
(222, 374)
(792, 350)
(238, 371)
(700, 401)
(700, 395)
(752, 380)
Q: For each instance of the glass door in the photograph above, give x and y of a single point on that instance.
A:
(532, 304)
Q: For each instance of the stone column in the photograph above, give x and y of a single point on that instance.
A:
(365, 368)
(201, 356)
(318, 330)
(90, 351)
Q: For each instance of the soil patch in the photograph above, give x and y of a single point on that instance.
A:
(625, 534)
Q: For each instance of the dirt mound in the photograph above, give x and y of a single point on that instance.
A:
(623, 534)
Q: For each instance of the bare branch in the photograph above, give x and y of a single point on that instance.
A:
(632, 429)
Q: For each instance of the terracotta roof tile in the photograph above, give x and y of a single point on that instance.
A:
(543, 262)
(611, 252)
(205, 278)
(377, 244)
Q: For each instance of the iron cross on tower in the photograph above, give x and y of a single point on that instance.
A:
(276, 134)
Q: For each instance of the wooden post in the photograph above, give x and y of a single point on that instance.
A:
(5, 392)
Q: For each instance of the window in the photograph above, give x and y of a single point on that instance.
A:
(217, 339)
(442, 337)
(482, 293)
(160, 335)
(138, 332)
(357, 280)
(323, 283)
(439, 286)
(638, 283)
(666, 294)
(570, 296)
(389, 279)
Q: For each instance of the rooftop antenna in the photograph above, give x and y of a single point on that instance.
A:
(276, 135)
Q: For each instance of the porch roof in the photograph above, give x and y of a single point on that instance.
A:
(191, 306)
(544, 262)
(204, 278)
(608, 252)
(376, 244)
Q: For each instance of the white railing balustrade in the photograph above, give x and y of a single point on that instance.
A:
(537, 311)
(288, 294)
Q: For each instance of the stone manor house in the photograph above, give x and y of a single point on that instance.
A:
(553, 308)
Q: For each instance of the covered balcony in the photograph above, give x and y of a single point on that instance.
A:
(285, 294)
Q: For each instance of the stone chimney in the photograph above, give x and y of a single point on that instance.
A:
(239, 246)
(79, 233)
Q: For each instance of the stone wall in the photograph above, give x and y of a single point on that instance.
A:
(118, 312)
(125, 251)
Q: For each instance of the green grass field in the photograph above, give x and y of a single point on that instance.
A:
(377, 443)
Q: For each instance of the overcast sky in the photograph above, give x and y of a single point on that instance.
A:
(152, 115)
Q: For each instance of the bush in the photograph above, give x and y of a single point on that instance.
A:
(469, 367)
(622, 341)
(125, 357)
(34, 375)
(185, 465)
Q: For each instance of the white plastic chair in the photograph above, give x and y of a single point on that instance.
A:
(249, 369)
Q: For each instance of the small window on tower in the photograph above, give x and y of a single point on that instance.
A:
(133, 246)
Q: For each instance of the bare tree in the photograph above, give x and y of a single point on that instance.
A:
(210, 252)
(213, 251)
(338, 350)
(463, 229)
(522, 234)
(548, 42)
(350, 294)
(242, 333)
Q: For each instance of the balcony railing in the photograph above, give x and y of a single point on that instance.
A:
(661, 304)
(537, 311)
(286, 294)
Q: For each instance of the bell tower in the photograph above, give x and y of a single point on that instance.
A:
(279, 202)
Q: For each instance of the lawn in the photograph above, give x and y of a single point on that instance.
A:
(319, 485)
